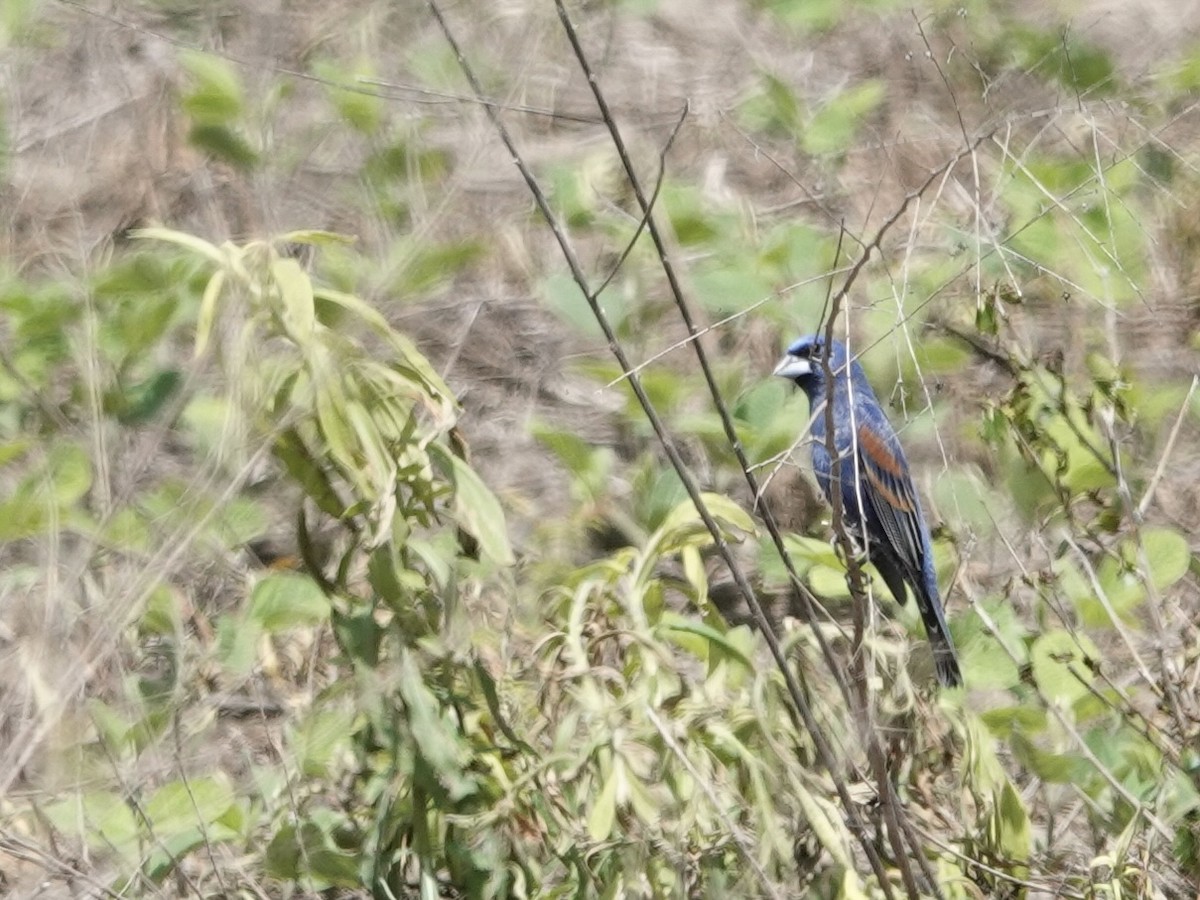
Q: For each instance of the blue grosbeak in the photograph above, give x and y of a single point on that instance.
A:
(879, 503)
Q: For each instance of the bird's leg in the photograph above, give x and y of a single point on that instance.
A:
(858, 547)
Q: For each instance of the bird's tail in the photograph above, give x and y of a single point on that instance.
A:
(945, 659)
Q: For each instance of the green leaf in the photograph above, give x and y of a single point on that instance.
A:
(603, 814)
(109, 725)
(182, 239)
(1004, 721)
(578, 455)
(964, 498)
(1054, 768)
(828, 582)
(1014, 832)
(237, 644)
(23, 516)
(564, 298)
(308, 473)
(439, 744)
(475, 507)
(988, 665)
(102, 818)
(240, 521)
(70, 471)
(674, 626)
(283, 600)
(723, 509)
(1167, 556)
(224, 143)
(320, 738)
(11, 451)
(357, 103)
(162, 615)
(296, 292)
(809, 15)
(217, 94)
(774, 108)
(179, 806)
(208, 312)
(430, 264)
(142, 402)
(1060, 665)
(833, 128)
(317, 238)
(310, 852)
(725, 287)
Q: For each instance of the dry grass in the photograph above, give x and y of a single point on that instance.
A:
(87, 164)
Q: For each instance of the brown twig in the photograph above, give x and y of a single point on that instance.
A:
(820, 743)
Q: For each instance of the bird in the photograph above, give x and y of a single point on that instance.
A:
(880, 506)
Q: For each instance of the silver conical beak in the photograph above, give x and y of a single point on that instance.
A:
(793, 367)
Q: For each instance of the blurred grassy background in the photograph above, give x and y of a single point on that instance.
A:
(1030, 319)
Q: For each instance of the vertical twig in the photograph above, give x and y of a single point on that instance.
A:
(807, 717)
(874, 748)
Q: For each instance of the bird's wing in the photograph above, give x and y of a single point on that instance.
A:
(822, 466)
(889, 497)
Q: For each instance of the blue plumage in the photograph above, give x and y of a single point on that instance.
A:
(879, 503)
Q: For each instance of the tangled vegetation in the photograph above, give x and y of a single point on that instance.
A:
(278, 619)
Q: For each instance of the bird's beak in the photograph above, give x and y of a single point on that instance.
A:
(793, 367)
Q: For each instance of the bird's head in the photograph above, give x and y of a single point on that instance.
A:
(805, 360)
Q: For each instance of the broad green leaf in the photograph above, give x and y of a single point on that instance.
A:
(988, 665)
(1167, 555)
(833, 128)
(677, 627)
(237, 644)
(283, 600)
(241, 521)
(296, 292)
(23, 515)
(563, 296)
(109, 725)
(308, 473)
(588, 463)
(1054, 768)
(828, 582)
(309, 852)
(161, 616)
(179, 806)
(356, 102)
(695, 573)
(965, 500)
(142, 402)
(439, 744)
(1060, 667)
(773, 108)
(475, 506)
(102, 818)
(217, 95)
(726, 287)
(330, 404)
(320, 737)
(225, 143)
(720, 507)
(11, 451)
(1004, 721)
(70, 470)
